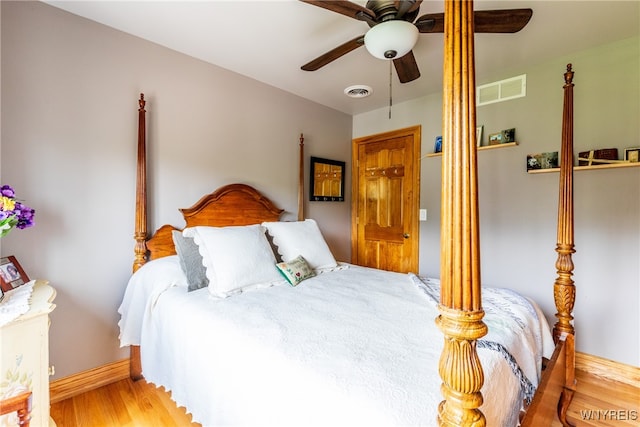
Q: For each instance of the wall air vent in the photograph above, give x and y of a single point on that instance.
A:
(503, 90)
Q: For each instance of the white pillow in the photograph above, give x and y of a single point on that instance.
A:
(301, 238)
(237, 258)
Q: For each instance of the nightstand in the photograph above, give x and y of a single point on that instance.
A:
(24, 362)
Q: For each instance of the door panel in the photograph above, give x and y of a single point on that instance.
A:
(386, 200)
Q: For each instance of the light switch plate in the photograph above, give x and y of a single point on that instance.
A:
(423, 214)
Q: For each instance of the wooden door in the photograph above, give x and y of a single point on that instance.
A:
(386, 200)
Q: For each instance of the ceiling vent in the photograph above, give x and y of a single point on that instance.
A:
(358, 91)
(503, 90)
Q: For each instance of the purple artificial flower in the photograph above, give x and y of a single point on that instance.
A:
(7, 191)
(25, 215)
(12, 212)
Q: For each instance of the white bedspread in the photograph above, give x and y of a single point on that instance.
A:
(351, 347)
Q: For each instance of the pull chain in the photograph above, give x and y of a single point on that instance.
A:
(390, 89)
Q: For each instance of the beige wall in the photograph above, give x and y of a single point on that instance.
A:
(69, 96)
(518, 210)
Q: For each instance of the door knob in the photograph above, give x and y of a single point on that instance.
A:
(405, 235)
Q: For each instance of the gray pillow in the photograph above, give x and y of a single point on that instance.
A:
(190, 261)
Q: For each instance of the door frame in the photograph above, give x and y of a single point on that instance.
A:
(414, 227)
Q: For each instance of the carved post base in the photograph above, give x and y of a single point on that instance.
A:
(460, 368)
(140, 250)
(564, 292)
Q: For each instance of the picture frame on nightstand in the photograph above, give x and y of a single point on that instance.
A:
(11, 274)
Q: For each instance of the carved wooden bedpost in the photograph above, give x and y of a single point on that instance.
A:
(140, 234)
(301, 181)
(460, 306)
(564, 290)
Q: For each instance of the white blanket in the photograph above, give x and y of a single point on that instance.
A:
(355, 346)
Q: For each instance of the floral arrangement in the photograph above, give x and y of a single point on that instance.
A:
(12, 212)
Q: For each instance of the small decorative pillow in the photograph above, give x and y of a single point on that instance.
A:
(190, 261)
(301, 238)
(296, 270)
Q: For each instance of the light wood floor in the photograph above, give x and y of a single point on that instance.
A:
(127, 403)
(123, 403)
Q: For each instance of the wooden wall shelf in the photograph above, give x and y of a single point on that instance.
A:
(484, 147)
(584, 168)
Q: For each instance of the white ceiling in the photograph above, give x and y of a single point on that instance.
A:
(269, 40)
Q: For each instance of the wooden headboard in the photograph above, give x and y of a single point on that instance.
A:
(233, 204)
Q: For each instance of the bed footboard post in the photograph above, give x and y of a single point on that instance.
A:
(564, 290)
(460, 369)
(460, 307)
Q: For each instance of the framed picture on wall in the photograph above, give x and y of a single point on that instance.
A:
(11, 274)
(327, 180)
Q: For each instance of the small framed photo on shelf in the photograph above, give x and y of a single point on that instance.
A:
(542, 160)
(495, 138)
(11, 274)
(632, 154)
(479, 135)
(437, 148)
(508, 135)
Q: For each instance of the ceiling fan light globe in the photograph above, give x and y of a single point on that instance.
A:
(391, 36)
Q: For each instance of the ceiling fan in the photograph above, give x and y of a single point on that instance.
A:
(388, 19)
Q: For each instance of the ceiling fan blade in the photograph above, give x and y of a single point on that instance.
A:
(430, 23)
(347, 8)
(334, 54)
(501, 21)
(485, 21)
(407, 68)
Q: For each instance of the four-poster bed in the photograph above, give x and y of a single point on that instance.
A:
(462, 315)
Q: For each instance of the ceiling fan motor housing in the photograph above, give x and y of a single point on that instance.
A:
(383, 9)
